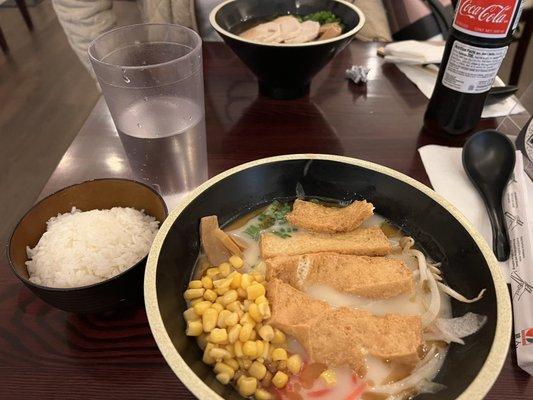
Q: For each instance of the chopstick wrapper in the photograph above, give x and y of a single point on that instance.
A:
(444, 168)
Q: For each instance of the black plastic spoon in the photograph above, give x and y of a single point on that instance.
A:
(489, 159)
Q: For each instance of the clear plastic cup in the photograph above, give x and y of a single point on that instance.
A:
(152, 80)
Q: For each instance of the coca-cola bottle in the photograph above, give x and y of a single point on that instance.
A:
(478, 41)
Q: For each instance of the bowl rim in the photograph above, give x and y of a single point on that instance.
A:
(479, 386)
(72, 289)
(224, 32)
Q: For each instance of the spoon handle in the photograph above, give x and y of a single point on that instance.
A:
(500, 238)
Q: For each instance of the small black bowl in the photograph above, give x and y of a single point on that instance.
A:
(284, 71)
(121, 290)
(468, 264)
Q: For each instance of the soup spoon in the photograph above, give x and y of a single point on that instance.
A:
(489, 159)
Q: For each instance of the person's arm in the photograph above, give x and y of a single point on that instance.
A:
(83, 21)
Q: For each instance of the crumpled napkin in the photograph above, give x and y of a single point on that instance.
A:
(358, 73)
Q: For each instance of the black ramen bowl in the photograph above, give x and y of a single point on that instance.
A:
(119, 291)
(284, 71)
(468, 264)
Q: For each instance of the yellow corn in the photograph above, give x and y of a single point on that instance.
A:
(294, 364)
(262, 394)
(329, 376)
(210, 295)
(246, 363)
(246, 280)
(209, 319)
(232, 363)
(190, 315)
(280, 379)
(232, 319)
(229, 297)
(234, 306)
(194, 328)
(242, 293)
(236, 261)
(246, 385)
(202, 341)
(200, 307)
(264, 309)
(223, 282)
(279, 354)
(246, 319)
(221, 291)
(196, 284)
(279, 337)
(266, 351)
(221, 367)
(233, 333)
(218, 336)
(236, 281)
(191, 294)
(212, 272)
(192, 303)
(254, 312)
(253, 335)
(245, 332)
(207, 354)
(259, 277)
(238, 349)
(257, 370)
(266, 332)
(222, 315)
(223, 378)
(230, 349)
(224, 269)
(259, 300)
(217, 306)
(219, 354)
(260, 347)
(207, 282)
(249, 349)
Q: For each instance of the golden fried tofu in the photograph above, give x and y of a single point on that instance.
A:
(318, 218)
(370, 277)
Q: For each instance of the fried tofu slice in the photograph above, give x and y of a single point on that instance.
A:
(370, 277)
(318, 218)
(342, 336)
(362, 241)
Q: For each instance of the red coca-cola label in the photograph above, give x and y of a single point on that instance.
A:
(486, 18)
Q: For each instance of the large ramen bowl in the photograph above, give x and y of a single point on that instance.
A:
(468, 264)
(284, 71)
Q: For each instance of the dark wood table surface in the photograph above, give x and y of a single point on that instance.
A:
(50, 354)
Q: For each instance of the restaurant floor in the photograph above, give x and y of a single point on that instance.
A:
(46, 95)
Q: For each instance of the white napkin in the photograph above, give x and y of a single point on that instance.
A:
(445, 170)
(414, 52)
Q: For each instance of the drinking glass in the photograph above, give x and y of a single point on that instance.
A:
(152, 81)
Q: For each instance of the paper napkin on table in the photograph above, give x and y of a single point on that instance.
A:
(445, 170)
(414, 52)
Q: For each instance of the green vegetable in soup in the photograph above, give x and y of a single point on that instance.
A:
(274, 214)
(322, 17)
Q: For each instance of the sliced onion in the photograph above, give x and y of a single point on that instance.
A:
(430, 387)
(458, 296)
(434, 303)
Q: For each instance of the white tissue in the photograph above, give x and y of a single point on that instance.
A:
(358, 73)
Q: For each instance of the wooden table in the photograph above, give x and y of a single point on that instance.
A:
(46, 353)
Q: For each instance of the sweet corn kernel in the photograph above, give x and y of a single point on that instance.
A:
(264, 309)
(232, 319)
(279, 354)
(279, 337)
(246, 385)
(223, 282)
(253, 335)
(192, 303)
(230, 349)
(223, 378)
(207, 282)
(202, 341)
(236, 262)
(234, 306)
(219, 354)
(266, 351)
(212, 272)
(209, 319)
(229, 297)
(245, 332)
(224, 269)
(207, 354)
(233, 333)
(249, 348)
(196, 284)
(236, 281)
(238, 349)
(194, 328)
(266, 332)
(246, 280)
(218, 336)
(329, 376)
(280, 379)
(242, 293)
(254, 312)
(260, 347)
(190, 315)
(294, 364)
(222, 290)
(200, 307)
(221, 367)
(210, 295)
(246, 319)
(246, 304)
(257, 370)
(262, 394)
(259, 300)
(222, 315)
(246, 363)
(191, 294)
(259, 277)
(217, 306)
(232, 363)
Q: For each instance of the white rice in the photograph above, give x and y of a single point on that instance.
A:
(82, 248)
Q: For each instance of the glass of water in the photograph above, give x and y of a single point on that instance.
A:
(152, 80)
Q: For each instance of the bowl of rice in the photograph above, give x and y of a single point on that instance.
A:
(83, 249)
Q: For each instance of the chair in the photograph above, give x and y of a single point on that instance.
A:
(27, 19)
